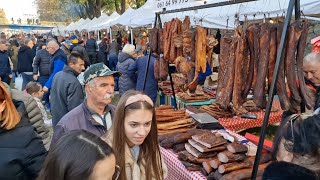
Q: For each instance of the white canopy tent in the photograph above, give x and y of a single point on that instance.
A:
(217, 17)
(124, 19)
(105, 24)
(73, 25)
(87, 26)
(101, 19)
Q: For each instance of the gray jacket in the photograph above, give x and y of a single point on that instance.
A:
(34, 115)
(66, 93)
(81, 118)
(41, 63)
(113, 48)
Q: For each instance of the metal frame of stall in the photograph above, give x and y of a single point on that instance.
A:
(280, 55)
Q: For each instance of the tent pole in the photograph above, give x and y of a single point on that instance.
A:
(297, 9)
(271, 91)
(131, 34)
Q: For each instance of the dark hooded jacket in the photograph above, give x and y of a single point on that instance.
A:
(25, 59)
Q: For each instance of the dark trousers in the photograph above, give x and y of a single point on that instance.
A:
(92, 57)
(113, 60)
(42, 80)
(26, 79)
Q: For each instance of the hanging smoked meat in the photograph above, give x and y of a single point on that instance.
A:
(259, 96)
(186, 36)
(226, 72)
(193, 46)
(281, 85)
(306, 97)
(256, 53)
(211, 43)
(273, 54)
(163, 74)
(153, 37)
(157, 69)
(295, 31)
(167, 40)
(252, 60)
(241, 72)
(160, 41)
(201, 49)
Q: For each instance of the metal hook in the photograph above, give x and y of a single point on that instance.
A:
(264, 18)
(227, 22)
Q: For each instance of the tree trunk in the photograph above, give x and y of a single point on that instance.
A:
(98, 8)
(123, 6)
(116, 5)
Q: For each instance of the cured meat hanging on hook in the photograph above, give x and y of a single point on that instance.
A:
(241, 72)
(226, 72)
(295, 31)
(308, 102)
(281, 85)
(259, 96)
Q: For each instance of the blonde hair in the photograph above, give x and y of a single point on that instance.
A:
(10, 117)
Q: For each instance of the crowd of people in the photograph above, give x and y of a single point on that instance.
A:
(82, 114)
(93, 139)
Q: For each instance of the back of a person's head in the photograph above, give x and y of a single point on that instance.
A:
(74, 156)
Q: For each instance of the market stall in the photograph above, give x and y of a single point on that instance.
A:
(249, 67)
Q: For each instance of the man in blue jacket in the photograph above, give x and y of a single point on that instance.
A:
(5, 70)
(57, 61)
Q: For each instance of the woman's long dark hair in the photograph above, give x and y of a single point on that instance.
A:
(302, 137)
(150, 150)
(74, 156)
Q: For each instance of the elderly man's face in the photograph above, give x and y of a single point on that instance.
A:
(51, 48)
(103, 90)
(312, 71)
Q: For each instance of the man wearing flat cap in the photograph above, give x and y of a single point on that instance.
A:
(95, 114)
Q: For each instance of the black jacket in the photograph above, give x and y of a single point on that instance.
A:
(22, 152)
(4, 64)
(25, 59)
(41, 63)
(91, 45)
(66, 93)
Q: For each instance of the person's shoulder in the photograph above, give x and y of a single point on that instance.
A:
(72, 116)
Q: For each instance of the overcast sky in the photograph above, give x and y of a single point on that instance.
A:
(18, 8)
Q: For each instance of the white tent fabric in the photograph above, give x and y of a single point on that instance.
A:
(99, 21)
(72, 26)
(105, 24)
(124, 19)
(86, 27)
(217, 17)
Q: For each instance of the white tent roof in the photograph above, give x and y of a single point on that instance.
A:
(105, 24)
(72, 25)
(217, 17)
(124, 19)
(88, 25)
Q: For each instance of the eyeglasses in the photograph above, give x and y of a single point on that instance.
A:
(116, 173)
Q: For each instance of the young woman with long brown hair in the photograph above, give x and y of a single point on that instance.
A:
(134, 138)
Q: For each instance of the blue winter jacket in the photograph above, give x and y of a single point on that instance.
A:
(57, 61)
(139, 68)
(126, 81)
